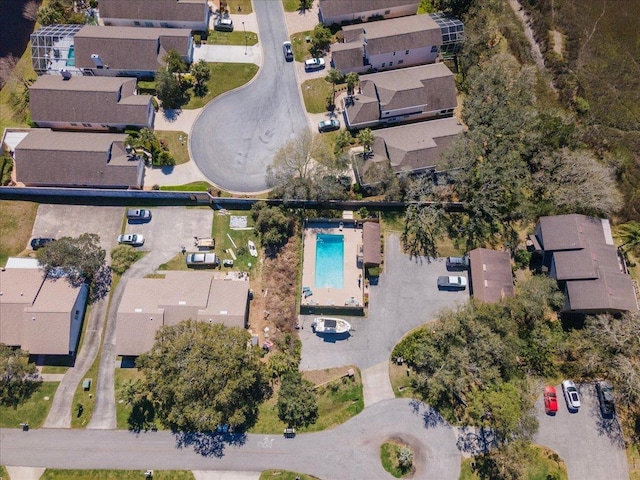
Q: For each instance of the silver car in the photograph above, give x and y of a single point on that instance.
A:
(571, 394)
(131, 239)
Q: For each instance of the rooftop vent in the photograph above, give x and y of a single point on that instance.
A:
(97, 60)
(66, 74)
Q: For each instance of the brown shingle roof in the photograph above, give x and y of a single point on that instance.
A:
(418, 145)
(613, 291)
(170, 300)
(426, 87)
(129, 48)
(50, 158)
(491, 277)
(336, 8)
(84, 99)
(176, 10)
(371, 245)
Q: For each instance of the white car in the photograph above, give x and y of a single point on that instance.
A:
(571, 394)
(131, 239)
(452, 282)
(314, 64)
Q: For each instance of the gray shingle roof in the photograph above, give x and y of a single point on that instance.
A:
(50, 158)
(169, 10)
(426, 87)
(491, 276)
(336, 8)
(129, 48)
(418, 145)
(83, 99)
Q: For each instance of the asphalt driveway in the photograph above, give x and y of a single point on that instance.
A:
(591, 447)
(406, 297)
(236, 136)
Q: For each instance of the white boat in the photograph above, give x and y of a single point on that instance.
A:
(330, 325)
(252, 249)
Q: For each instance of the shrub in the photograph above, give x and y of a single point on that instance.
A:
(122, 257)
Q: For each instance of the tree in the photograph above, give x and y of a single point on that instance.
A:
(81, 260)
(122, 257)
(293, 160)
(629, 233)
(297, 401)
(274, 225)
(201, 75)
(334, 76)
(19, 379)
(352, 79)
(174, 62)
(168, 89)
(320, 40)
(147, 141)
(50, 15)
(30, 10)
(305, 5)
(201, 375)
(366, 138)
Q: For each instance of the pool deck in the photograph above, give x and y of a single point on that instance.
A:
(352, 293)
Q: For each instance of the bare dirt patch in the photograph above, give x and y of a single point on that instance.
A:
(558, 42)
(319, 377)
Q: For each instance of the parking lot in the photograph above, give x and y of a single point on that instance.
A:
(73, 220)
(592, 447)
(406, 297)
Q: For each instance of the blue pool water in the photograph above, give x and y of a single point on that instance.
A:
(71, 58)
(329, 261)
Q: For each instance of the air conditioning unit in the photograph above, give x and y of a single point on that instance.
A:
(97, 60)
(66, 74)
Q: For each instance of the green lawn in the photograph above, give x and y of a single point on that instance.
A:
(34, 411)
(16, 224)
(177, 144)
(389, 456)
(59, 474)
(237, 37)
(314, 94)
(123, 410)
(224, 245)
(224, 77)
(291, 5)
(85, 398)
(300, 46)
(189, 187)
(245, 6)
(281, 475)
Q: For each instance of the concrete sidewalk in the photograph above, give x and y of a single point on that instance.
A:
(376, 384)
(24, 473)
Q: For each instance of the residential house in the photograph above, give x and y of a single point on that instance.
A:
(128, 51)
(40, 315)
(190, 14)
(399, 96)
(76, 102)
(578, 251)
(45, 158)
(388, 44)
(410, 149)
(351, 11)
(150, 303)
(491, 275)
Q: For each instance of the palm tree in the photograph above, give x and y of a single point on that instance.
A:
(334, 76)
(352, 78)
(629, 233)
(366, 139)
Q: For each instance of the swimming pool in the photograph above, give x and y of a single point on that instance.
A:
(71, 57)
(329, 261)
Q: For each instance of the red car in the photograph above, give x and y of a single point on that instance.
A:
(550, 400)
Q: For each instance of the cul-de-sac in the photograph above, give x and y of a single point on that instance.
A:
(319, 239)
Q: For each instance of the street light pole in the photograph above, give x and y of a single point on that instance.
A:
(245, 38)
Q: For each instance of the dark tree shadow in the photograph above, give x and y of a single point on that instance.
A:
(475, 442)
(142, 416)
(209, 444)
(431, 418)
(171, 114)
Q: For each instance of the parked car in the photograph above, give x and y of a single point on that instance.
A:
(571, 394)
(329, 125)
(314, 64)
(202, 260)
(139, 215)
(40, 242)
(288, 51)
(223, 25)
(452, 283)
(550, 400)
(457, 263)
(605, 398)
(132, 239)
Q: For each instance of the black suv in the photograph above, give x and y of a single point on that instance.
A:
(457, 263)
(40, 242)
(605, 398)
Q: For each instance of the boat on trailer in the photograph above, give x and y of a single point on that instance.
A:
(330, 325)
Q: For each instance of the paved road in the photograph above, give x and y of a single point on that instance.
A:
(349, 451)
(406, 297)
(592, 447)
(236, 136)
(163, 238)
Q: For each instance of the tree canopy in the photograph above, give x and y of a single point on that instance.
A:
(200, 375)
(297, 401)
(274, 225)
(18, 378)
(80, 259)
